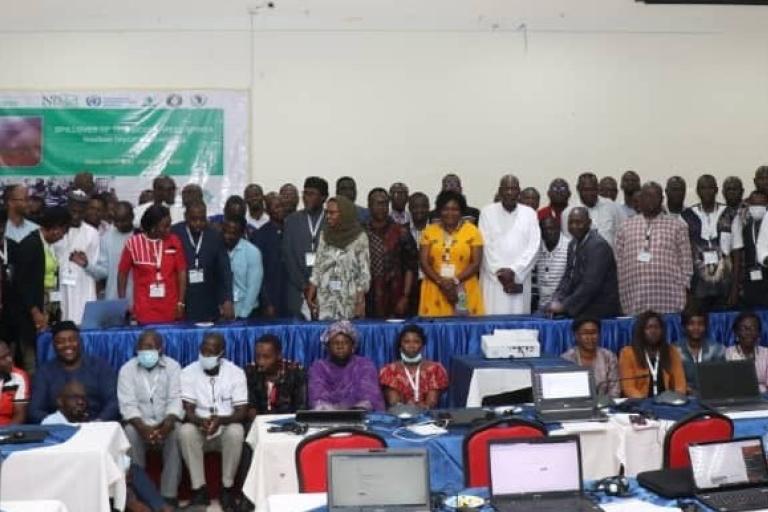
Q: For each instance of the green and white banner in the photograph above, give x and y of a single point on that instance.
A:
(126, 138)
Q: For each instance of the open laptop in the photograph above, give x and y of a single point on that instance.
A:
(542, 474)
(331, 419)
(730, 475)
(378, 480)
(103, 314)
(565, 394)
(729, 386)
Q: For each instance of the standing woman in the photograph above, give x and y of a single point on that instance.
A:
(589, 354)
(156, 259)
(341, 274)
(650, 365)
(450, 254)
(748, 330)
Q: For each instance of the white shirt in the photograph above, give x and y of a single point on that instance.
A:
(550, 268)
(606, 217)
(76, 285)
(177, 213)
(56, 418)
(257, 223)
(214, 394)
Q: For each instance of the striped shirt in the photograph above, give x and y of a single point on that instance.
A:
(550, 267)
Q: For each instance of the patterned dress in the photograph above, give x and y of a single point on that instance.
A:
(432, 377)
(393, 254)
(340, 274)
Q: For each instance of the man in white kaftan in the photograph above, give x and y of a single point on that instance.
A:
(511, 237)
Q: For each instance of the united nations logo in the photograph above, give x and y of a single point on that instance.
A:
(174, 100)
(93, 101)
(198, 100)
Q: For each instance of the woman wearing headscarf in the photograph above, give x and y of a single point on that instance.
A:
(341, 274)
(343, 380)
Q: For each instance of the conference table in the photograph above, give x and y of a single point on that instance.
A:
(33, 506)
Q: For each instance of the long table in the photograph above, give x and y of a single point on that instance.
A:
(446, 337)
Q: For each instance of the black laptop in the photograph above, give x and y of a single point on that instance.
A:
(730, 476)
(542, 474)
(730, 386)
(332, 419)
(565, 394)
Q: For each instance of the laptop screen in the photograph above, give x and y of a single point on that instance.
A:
(729, 463)
(380, 478)
(535, 467)
(561, 385)
(722, 380)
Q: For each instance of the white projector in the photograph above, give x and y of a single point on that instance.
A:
(511, 343)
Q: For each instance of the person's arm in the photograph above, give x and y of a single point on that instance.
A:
(294, 262)
(239, 401)
(685, 255)
(20, 401)
(677, 372)
(99, 268)
(392, 396)
(181, 279)
(614, 390)
(761, 246)
(476, 257)
(123, 268)
(622, 270)
(254, 280)
(320, 394)
(494, 258)
(190, 416)
(525, 258)
(633, 383)
(174, 410)
(363, 276)
(223, 278)
(446, 285)
(564, 287)
(299, 391)
(19, 413)
(410, 268)
(368, 389)
(40, 401)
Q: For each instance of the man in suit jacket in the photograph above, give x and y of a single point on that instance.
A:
(589, 285)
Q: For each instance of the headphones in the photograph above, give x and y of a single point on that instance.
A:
(297, 428)
(614, 485)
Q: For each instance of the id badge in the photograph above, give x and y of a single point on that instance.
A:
(68, 277)
(711, 258)
(54, 296)
(236, 295)
(448, 270)
(334, 285)
(157, 290)
(196, 276)
(644, 256)
(309, 259)
(755, 274)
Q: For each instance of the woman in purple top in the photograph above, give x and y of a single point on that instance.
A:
(343, 380)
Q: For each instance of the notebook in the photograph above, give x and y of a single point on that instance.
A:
(730, 475)
(380, 480)
(565, 394)
(729, 386)
(538, 473)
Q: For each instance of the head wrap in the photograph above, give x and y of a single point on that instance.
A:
(348, 229)
(340, 327)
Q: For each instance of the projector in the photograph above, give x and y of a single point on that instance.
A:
(511, 343)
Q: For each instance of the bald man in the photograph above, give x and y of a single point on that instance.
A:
(512, 237)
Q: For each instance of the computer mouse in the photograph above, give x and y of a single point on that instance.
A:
(670, 398)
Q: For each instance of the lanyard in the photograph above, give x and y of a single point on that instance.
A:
(313, 230)
(414, 383)
(158, 245)
(212, 408)
(4, 254)
(151, 388)
(648, 231)
(271, 395)
(654, 369)
(697, 358)
(196, 246)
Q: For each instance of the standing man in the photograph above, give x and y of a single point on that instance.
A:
(605, 214)
(111, 249)
(512, 239)
(589, 286)
(270, 241)
(78, 248)
(17, 226)
(530, 197)
(675, 191)
(246, 263)
(346, 186)
(653, 255)
(289, 194)
(254, 198)
(209, 276)
(749, 241)
(163, 194)
(559, 193)
(84, 181)
(301, 235)
(418, 208)
(14, 389)
(608, 188)
(96, 213)
(630, 184)
(398, 194)
(551, 261)
(733, 193)
(191, 193)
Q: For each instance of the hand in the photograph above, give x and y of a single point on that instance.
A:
(401, 307)
(270, 311)
(227, 310)
(506, 277)
(310, 295)
(180, 309)
(555, 308)
(733, 296)
(146, 432)
(448, 287)
(164, 429)
(360, 306)
(213, 425)
(79, 258)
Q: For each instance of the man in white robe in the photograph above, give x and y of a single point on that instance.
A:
(512, 238)
(78, 247)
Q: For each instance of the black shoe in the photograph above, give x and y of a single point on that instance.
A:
(199, 497)
(171, 502)
(227, 499)
(246, 505)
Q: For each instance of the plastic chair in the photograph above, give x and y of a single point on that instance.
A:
(697, 427)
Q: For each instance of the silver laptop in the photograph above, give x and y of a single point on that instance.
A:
(730, 475)
(378, 480)
(542, 474)
(565, 394)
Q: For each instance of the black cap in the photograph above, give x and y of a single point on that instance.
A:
(66, 325)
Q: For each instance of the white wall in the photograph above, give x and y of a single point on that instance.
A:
(389, 90)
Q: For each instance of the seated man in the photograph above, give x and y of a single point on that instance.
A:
(72, 408)
(215, 397)
(149, 394)
(94, 373)
(343, 380)
(275, 385)
(15, 389)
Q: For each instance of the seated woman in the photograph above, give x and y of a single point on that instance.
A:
(589, 354)
(748, 330)
(412, 380)
(696, 347)
(343, 380)
(650, 365)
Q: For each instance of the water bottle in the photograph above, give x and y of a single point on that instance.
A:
(461, 304)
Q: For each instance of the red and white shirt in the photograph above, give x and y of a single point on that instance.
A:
(15, 391)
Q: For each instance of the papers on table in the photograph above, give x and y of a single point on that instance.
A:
(635, 505)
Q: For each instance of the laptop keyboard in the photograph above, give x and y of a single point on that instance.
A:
(548, 504)
(744, 499)
(571, 415)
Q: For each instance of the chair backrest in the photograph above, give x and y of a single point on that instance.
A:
(476, 472)
(312, 454)
(697, 427)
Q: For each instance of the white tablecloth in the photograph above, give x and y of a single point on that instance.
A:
(33, 506)
(296, 502)
(83, 472)
(492, 381)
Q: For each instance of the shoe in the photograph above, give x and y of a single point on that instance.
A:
(199, 497)
(246, 505)
(171, 502)
(227, 499)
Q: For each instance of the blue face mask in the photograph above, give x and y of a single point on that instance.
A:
(410, 360)
(148, 358)
(208, 362)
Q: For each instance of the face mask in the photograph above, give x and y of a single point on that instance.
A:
(411, 360)
(209, 362)
(148, 358)
(757, 212)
